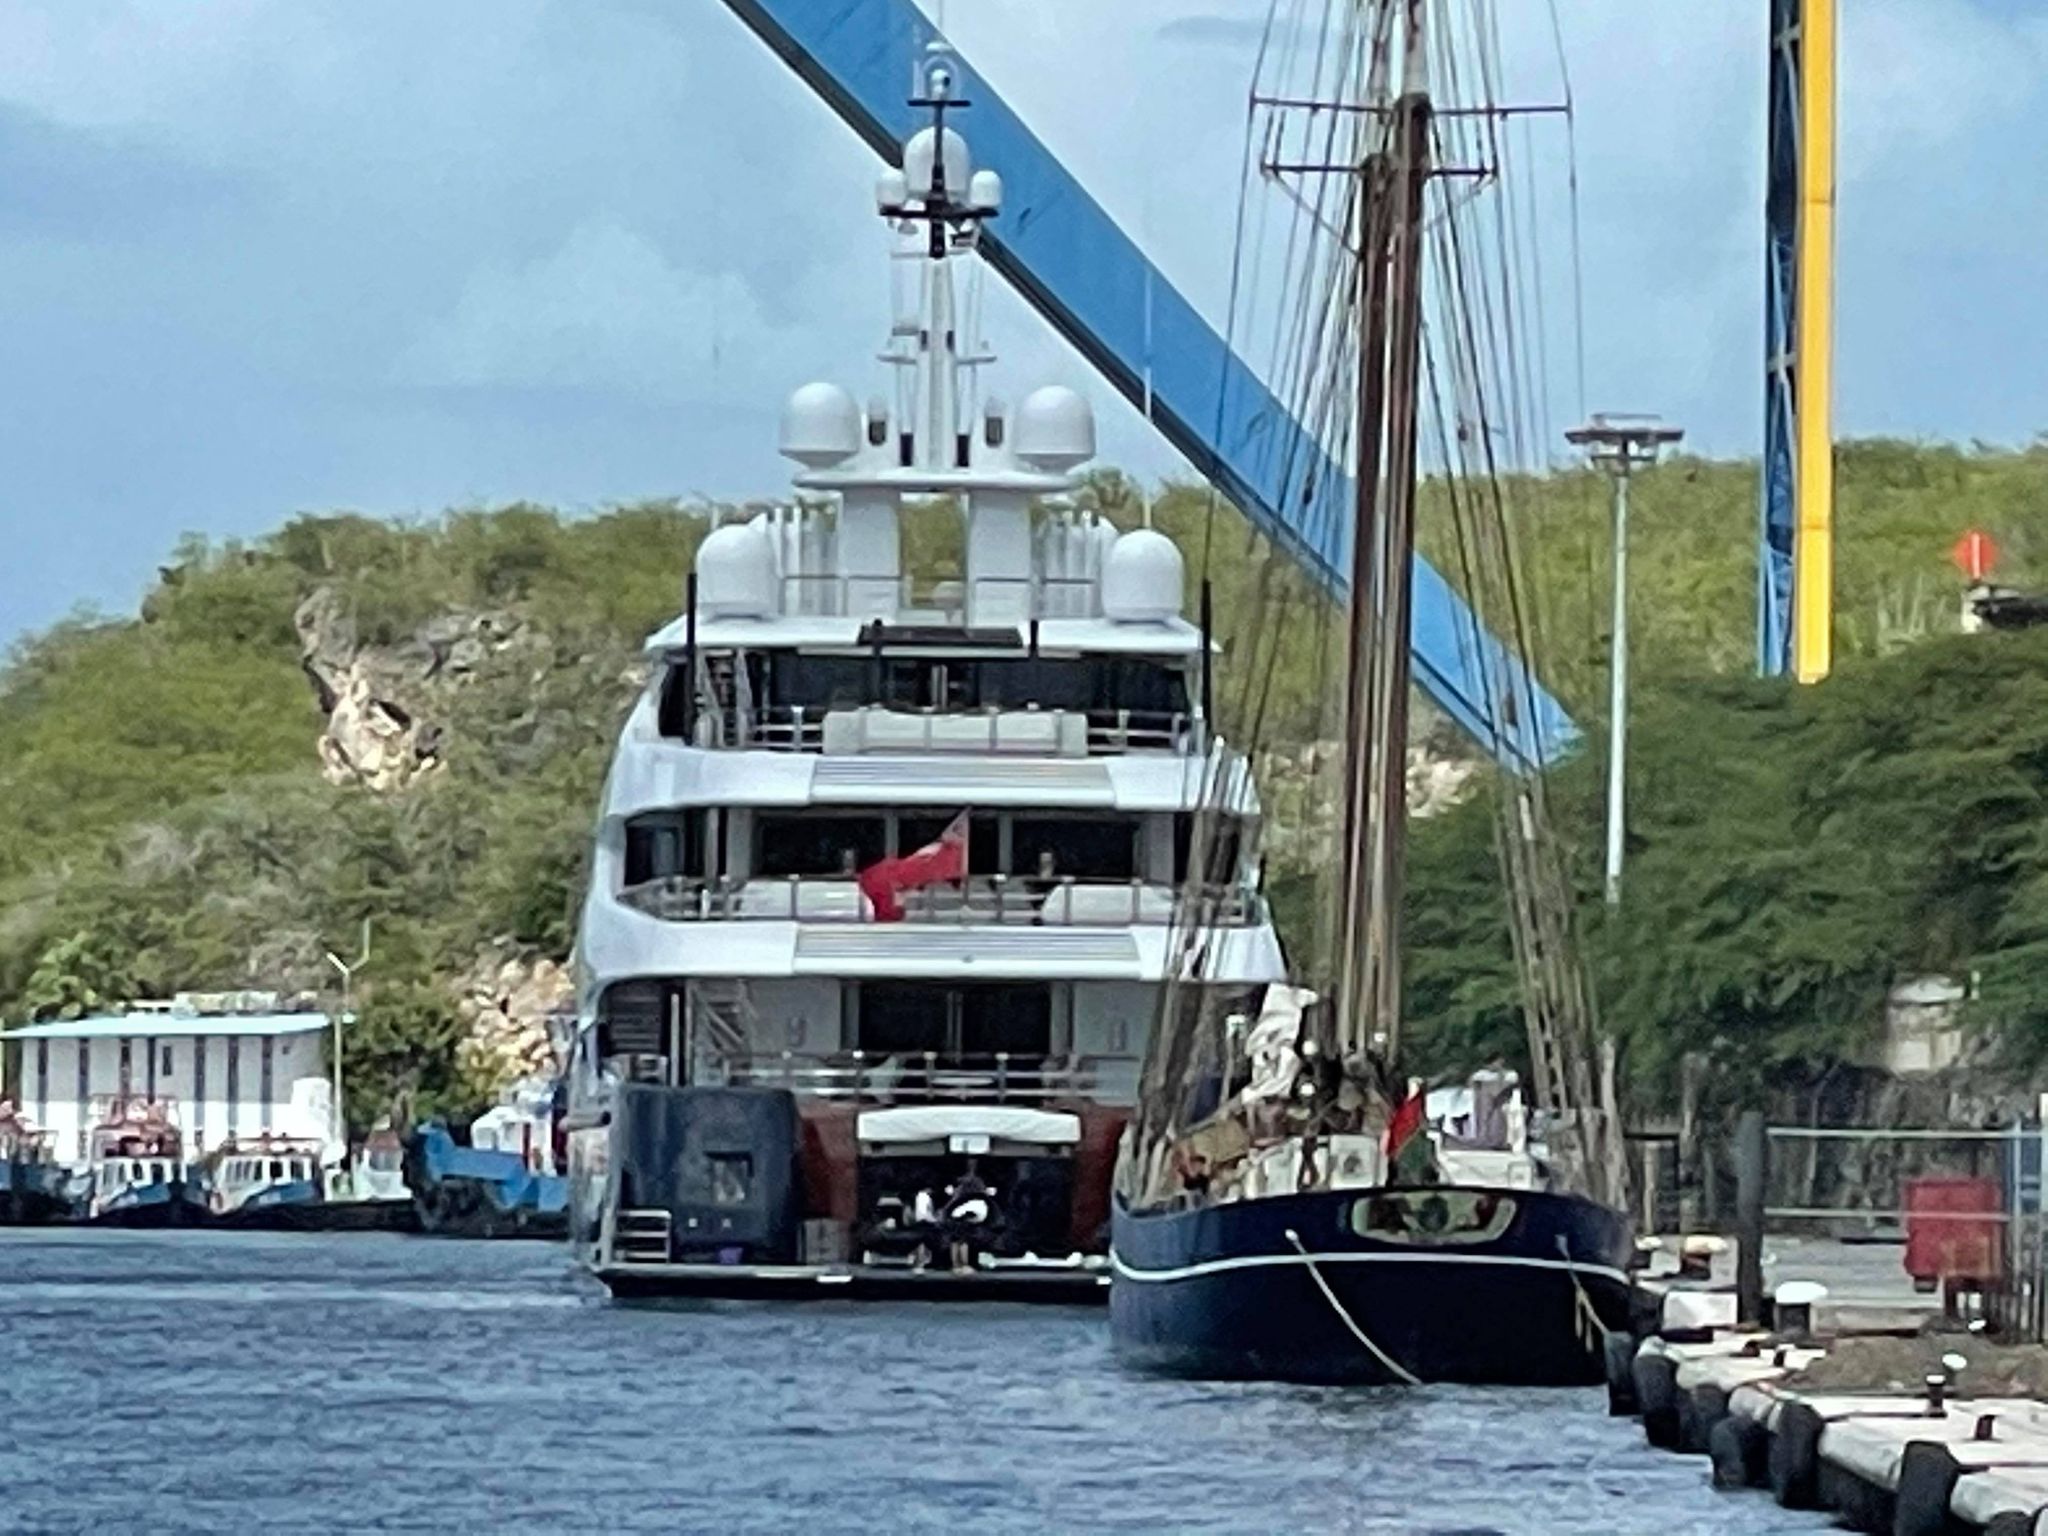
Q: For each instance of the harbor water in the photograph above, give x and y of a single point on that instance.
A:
(192, 1381)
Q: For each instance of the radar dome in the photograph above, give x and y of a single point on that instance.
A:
(1055, 429)
(736, 573)
(820, 426)
(917, 164)
(1143, 579)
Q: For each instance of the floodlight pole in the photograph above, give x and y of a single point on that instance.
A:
(1618, 444)
(338, 1109)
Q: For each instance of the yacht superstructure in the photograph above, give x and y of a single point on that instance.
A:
(893, 854)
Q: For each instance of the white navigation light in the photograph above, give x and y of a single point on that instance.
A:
(820, 426)
(1055, 429)
(917, 164)
(892, 191)
(985, 191)
(736, 572)
(1144, 579)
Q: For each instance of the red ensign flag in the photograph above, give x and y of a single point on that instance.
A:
(941, 862)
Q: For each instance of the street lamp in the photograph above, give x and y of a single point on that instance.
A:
(338, 1109)
(1617, 444)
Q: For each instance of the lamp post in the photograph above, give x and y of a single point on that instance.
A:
(1618, 444)
(347, 970)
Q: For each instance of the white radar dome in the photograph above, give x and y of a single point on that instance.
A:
(985, 191)
(1144, 578)
(820, 426)
(736, 573)
(1055, 429)
(917, 164)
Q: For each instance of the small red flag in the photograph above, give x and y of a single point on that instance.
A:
(1975, 554)
(1407, 1121)
(940, 862)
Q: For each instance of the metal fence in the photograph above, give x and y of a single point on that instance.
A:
(1964, 1203)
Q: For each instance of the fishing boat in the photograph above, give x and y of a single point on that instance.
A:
(137, 1173)
(888, 870)
(1285, 1209)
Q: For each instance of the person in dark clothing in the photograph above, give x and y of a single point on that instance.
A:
(969, 1216)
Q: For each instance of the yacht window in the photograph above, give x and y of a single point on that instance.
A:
(276, 1169)
(732, 1176)
(816, 684)
(790, 844)
(1086, 847)
(165, 1068)
(156, 1173)
(659, 847)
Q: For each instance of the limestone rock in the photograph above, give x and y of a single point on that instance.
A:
(384, 702)
(508, 998)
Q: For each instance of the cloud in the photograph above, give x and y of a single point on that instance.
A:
(607, 311)
(98, 184)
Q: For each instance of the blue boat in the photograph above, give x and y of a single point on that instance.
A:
(34, 1187)
(461, 1191)
(136, 1174)
(262, 1174)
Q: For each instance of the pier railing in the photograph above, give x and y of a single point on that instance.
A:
(1001, 900)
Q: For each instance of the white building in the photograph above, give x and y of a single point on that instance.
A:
(218, 1075)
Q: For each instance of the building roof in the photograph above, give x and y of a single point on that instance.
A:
(170, 1026)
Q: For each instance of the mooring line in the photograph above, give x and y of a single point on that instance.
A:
(1592, 1328)
(1358, 1333)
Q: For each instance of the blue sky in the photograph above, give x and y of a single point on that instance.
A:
(258, 257)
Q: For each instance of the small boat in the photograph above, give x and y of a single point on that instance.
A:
(262, 1173)
(34, 1186)
(461, 1191)
(136, 1171)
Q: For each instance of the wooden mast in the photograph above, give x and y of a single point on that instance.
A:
(1389, 366)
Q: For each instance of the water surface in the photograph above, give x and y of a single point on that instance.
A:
(188, 1382)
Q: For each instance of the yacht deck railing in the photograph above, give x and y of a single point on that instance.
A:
(1002, 900)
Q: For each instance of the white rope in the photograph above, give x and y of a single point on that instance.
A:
(1591, 1326)
(1358, 1333)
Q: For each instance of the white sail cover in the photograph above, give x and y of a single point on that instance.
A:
(1270, 1045)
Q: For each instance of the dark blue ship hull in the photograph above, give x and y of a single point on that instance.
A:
(1295, 1288)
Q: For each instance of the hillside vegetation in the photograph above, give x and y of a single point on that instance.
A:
(168, 826)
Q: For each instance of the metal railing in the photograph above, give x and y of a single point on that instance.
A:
(1016, 732)
(933, 1077)
(1001, 900)
(951, 601)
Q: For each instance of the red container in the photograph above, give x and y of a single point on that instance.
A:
(1955, 1229)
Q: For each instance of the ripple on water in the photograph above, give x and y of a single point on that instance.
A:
(203, 1382)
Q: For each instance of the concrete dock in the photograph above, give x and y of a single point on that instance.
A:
(1860, 1417)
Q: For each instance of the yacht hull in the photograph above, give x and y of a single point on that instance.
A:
(1286, 1288)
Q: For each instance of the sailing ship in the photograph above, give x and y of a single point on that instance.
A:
(887, 871)
(1284, 1210)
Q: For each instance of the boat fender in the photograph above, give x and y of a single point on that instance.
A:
(1927, 1480)
(1620, 1354)
(1656, 1378)
(1698, 1412)
(1741, 1450)
(1795, 1457)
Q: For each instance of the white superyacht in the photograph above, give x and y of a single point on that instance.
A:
(892, 862)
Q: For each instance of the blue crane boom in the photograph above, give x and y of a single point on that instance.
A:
(1059, 248)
